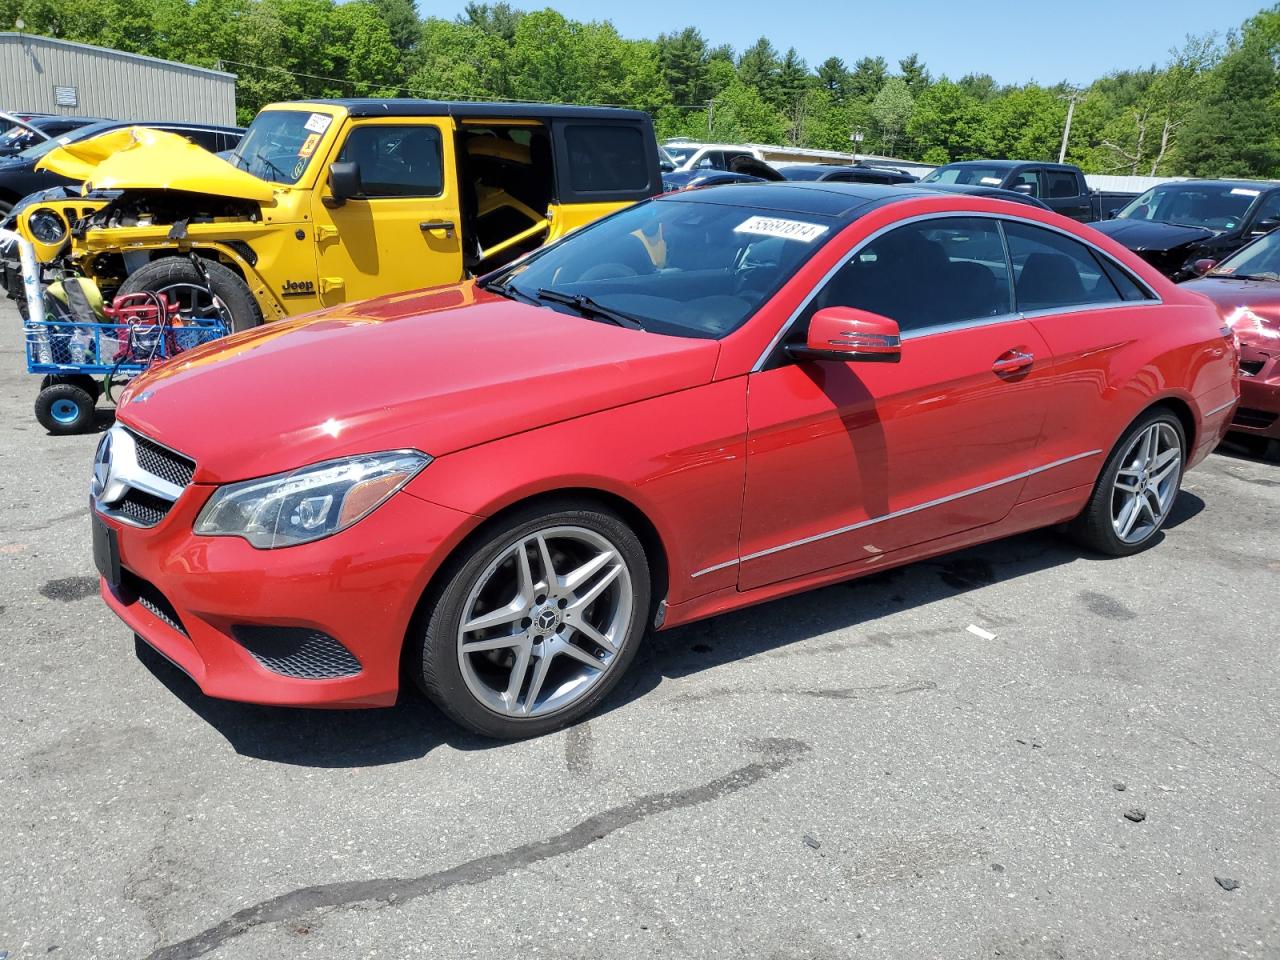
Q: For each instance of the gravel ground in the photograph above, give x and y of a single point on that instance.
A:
(847, 773)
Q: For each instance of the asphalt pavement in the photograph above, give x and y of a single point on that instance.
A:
(848, 773)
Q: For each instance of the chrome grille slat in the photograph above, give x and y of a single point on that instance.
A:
(136, 479)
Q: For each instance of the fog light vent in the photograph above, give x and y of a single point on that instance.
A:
(298, 652)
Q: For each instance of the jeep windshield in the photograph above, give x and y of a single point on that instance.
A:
(279, 144)
(1214, 206)
(677, 266)
(964, 173)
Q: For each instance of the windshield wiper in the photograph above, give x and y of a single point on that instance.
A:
(588, 307)
(1270, 277)
(508, 291)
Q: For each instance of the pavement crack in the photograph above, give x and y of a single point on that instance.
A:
(778, 755)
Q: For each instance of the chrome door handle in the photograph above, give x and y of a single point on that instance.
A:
(1013, 361)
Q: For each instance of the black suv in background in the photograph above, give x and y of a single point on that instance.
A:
(18, 176)
(34, 131)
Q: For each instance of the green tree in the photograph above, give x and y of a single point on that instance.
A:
(1236, 132)
(891, 111)
(496, 19)
(833, 76)
(684, 60)
(758, 68)
(913, 73)
(947, 121)
(401, 18)
(868, 76)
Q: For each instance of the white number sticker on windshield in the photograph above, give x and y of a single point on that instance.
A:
(991, 181)
(1243, 192)
(778, 227)
(318, 122)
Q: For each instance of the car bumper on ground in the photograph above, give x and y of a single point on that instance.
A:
(320, 624)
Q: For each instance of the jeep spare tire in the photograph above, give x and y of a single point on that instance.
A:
(177, 277)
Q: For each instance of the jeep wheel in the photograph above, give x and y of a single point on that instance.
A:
(178, 279)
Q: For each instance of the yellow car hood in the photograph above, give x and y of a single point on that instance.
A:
(135, 158)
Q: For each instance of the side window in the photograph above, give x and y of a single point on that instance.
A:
(925, 274)
(1054, 272)
(202, 138)
(1026, 178)
(1128, 287)
(1268, 209)
(606, 157)
(396, 161)
(1060, 184)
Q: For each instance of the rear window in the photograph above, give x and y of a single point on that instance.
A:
(605, 158)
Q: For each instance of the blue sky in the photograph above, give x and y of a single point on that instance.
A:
(1014, 42)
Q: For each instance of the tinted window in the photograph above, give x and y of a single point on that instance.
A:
(1128, 287)
(1054, 271)
(203, 138)
(396, 161)
(680, 266)
(603, 158)
(1060, 184)
(925, 274)
(985, 176)
(1217, 206)
(1268, 209)
(1026, 179)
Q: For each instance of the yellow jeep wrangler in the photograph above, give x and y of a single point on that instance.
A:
(329, 201)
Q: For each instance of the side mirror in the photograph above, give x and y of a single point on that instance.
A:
(847, 334)
(344, 181)
(1112, 214)
(1263, 226)
(1025, 189)
(1203, 266)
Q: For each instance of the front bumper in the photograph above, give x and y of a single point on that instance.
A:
(1259, 411)
(199, 600)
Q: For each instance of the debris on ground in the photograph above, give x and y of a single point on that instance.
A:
(1226, 883)
(811, 842)
(1119, 786)
(978, 632)
(1136, 815)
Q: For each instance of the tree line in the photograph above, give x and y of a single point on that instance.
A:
(1209, 110)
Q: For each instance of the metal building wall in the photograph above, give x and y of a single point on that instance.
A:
(109, 83)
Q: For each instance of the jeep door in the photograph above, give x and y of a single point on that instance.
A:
(400, 231)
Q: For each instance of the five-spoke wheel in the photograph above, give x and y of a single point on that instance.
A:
(537, 622)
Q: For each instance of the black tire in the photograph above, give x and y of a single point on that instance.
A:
(434, 659)
(81, 380)
(1093, 528)
(227, 286)
(65, 408)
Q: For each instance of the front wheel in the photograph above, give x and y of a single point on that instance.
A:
(179, 280)
(536, 621)
(1136, 489)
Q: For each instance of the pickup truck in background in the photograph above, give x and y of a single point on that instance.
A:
(1060, 186)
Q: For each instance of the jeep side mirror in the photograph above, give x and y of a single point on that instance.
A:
(1264, 226)
(848, 334)
(344, 181)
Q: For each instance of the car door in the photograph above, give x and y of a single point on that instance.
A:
(402, 231)
(1064, 192)
(851, 461)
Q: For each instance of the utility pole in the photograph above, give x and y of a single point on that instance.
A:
(1066, 130)
(711, 112)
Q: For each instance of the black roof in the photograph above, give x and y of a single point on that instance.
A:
(1004, 164)
(1222, 182)
(824, 198)
(460, 108)
(983, 190)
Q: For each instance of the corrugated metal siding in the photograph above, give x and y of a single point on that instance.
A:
(1118, 184)
(108, 83)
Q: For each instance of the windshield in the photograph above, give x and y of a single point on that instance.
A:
(18, 138)
(682, 267)
(83, 133)
(1217, 206)
(681, 155)
(1260, 259)
(279, 144)
(957, 173)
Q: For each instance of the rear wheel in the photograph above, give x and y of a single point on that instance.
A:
(536, 622)
(179, 280)
(1137, 487)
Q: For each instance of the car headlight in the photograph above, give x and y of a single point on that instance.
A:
(308, 503)
(46, 226)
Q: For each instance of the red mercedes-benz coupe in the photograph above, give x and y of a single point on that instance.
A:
(701, 402)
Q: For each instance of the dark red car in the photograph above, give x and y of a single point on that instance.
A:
(1246, 289)
(701, 402)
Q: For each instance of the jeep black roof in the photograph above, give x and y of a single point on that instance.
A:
(456, 108)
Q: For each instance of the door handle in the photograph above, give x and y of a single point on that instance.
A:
(446, 225)
(1013, 361)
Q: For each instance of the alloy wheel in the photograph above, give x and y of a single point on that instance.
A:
(1147, 483)
(544, 622)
